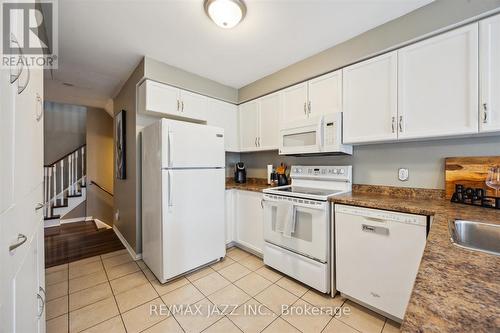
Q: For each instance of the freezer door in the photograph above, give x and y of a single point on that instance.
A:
(193, 219)
(189, 145)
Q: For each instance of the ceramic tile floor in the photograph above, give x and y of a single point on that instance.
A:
(112, 293)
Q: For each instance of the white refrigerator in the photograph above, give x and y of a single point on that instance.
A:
(183, 186)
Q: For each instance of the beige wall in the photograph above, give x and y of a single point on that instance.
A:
(433, 17)
(100, 164)
(64, 129)
(126, 199)
(161, 72)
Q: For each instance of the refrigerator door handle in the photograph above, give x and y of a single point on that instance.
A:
(170, 145)
(170, 180)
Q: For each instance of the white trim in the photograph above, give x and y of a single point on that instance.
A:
(126, 244)
(101, 225)
(73, 220)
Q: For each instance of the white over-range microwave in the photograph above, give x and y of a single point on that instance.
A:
(321, 135)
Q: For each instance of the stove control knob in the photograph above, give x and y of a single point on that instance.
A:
(335, 171)
(341, 171)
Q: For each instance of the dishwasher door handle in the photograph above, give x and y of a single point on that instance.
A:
(375, 229)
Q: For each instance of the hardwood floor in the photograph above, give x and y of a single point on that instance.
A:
(74, 241)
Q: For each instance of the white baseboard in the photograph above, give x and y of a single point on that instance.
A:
(101, 225)
(126, 244)
(73, 220)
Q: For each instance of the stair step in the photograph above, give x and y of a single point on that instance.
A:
(52, 217)
(74, 195)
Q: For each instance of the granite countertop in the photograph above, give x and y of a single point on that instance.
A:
(252, 184)
(456, 290)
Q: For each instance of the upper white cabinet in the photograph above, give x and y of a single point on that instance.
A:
(370, 100)
(489, 52)
(164, 100)
(319, 96)
(225, 115)
(325, 94)
(295, 103)
(193, 105)
(270, 106)
(259, 123)
(438, 85)
(249, 126)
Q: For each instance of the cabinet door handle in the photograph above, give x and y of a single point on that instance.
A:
(485, 113)
(255, 142)
(309, 107)
(39, 206)
(39, 107)
(262, 203)
(15, 76)
(258, 141)
(182, 106)
(21, 240)
(393, 124)
(178, 105)
(305, 108)
(43, 305)
(43, 291)
(401, 124)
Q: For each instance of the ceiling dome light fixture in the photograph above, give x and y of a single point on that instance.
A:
(225, 13)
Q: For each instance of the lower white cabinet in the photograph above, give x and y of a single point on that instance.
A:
(248, 219)
(22, 273)
(229, 216)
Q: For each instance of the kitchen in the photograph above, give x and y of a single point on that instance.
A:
(334, 194)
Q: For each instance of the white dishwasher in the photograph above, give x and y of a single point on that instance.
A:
(377, 256)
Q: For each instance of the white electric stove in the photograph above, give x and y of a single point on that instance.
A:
(297, 223)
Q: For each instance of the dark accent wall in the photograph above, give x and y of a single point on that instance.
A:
(64, 129)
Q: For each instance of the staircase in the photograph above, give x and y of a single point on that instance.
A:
(64, 186)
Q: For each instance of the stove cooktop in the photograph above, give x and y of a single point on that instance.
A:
(300, 191)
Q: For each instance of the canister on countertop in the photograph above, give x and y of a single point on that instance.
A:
(269, 173)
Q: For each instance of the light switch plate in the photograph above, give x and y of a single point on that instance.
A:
(403, 174)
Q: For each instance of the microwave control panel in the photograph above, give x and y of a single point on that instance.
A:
(330, 129)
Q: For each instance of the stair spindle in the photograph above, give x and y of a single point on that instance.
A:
(83, 165)
(76, 171)
(54, 197)
(61, 170)
(69, 175)
(49, 212)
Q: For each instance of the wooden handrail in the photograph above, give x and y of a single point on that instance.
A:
(62, 158)
(102, 188)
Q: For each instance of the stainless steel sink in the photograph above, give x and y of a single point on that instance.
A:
(477, 236)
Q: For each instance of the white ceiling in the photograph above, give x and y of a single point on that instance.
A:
(100, 42)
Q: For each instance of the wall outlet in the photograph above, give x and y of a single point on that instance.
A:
(403, 174)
